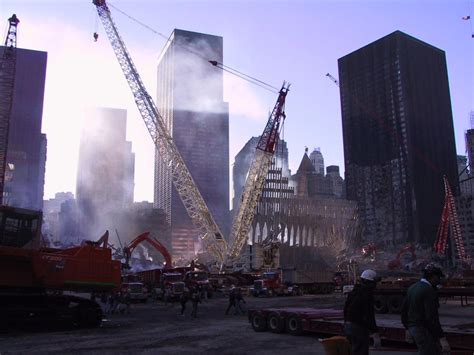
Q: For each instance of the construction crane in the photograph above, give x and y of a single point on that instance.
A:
(257, 174)
(194, 203)
(190, 196)
(7, 83)
(449, 218)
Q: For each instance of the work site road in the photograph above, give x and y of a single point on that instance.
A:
(156, 328)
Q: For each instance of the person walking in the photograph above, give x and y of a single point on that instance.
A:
(239, 299)
(359, 314)
(183, 299)
(420, 315)
(232, 293)
(195, 299)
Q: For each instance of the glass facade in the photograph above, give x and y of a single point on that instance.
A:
(398, 137)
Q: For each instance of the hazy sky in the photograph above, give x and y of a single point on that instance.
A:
(297, 41)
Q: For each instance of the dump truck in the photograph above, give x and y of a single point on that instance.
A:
(159, 279)
(33, 278)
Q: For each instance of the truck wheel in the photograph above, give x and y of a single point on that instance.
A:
(380, 304)
(293, 325)
(275, 323)
(270, 293)
(259, 323)
(394, 304)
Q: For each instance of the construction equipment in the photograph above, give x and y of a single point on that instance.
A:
(449, 218)
(145, 237)
(190, 196)
(193, 201)
(257, 174)
(32, 278)
(395, 263)
(7, 83)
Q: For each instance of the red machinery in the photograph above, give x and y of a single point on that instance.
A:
(128, 250)
(449, 218)
(395, 263)
(30, 275)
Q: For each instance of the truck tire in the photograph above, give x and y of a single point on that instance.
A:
(380, 304)
(294, 325)
(394, 304)
(275, 323)
(270, 293)
(259, 323)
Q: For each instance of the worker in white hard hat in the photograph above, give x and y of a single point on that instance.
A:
(359, 314)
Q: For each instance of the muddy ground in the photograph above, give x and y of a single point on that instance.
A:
(155, 328)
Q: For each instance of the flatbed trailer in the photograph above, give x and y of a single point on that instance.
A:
(390, 299)
(329, 322)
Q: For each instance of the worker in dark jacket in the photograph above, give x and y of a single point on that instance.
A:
(359, 314)
(420, 313)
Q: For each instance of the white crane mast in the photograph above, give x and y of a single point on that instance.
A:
(257, 175)
(193, 201)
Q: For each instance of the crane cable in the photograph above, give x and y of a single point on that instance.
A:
(217, 64)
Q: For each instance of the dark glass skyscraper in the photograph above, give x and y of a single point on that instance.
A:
(398, 136)
(26, 152)
(190, 99)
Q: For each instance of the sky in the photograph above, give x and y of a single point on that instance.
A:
(272, 40)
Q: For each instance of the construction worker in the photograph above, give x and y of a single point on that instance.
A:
(184, 299)
(195, 299)
(420, 313)
(239, 299)
(232, 294)
(359, 314)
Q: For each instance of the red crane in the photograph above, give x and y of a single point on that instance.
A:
(7, 83)
(449, 218)
(128, 250)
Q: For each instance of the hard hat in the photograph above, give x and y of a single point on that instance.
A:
(370, 275)
(433, 269)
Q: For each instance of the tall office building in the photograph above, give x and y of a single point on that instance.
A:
(317, 159)
(105, 170)
(26, 152)
(190, 99)
(242, 162)
(398, 137)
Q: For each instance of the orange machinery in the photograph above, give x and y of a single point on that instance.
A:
(32, 278)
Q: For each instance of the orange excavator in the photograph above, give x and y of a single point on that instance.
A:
(396, 263)
(32, 277)
(145, 237)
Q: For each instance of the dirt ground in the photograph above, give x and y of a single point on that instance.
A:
(155, 328)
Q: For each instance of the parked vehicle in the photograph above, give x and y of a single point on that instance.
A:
(138, 291)
(198, 279)
(293, 282)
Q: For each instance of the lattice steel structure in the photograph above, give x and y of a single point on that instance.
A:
(7, 83)
(257, 174)
(182, 179)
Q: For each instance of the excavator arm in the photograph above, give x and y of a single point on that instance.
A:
(190, 196)
(145, 237)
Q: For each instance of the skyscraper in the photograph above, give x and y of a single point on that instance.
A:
(190, 99)
(26, 152)
(398, 136)
(105, 169)
(317, 159)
